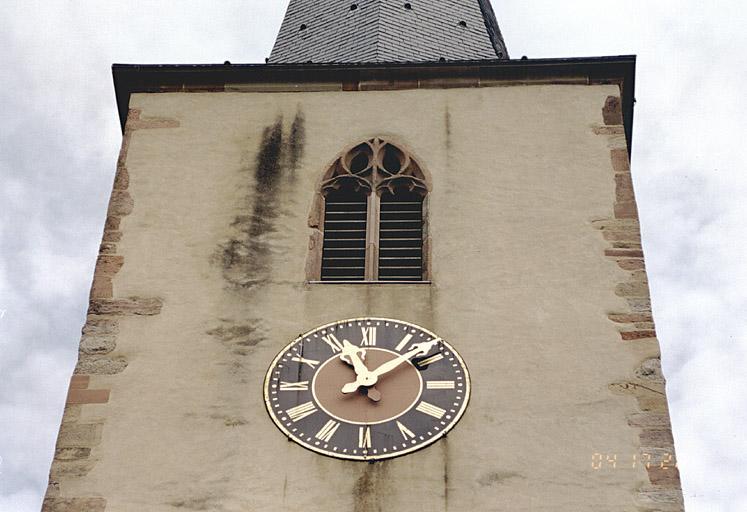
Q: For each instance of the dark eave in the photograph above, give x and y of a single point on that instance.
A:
(154, 78)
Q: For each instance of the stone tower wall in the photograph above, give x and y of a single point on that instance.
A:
(537, 279)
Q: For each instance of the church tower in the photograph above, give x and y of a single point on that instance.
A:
(390, 269)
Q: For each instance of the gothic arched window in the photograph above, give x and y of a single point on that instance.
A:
(370, 217)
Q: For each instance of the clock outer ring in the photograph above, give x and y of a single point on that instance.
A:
(390, 455)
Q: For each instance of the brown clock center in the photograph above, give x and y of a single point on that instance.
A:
(399, 389)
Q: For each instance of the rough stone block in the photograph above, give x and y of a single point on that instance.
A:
(637, 335)
(626, 318)
(102, 287)
(120, 204)
(612, 111)
(622, 236)
(620, 162)
(629, 253)
(617, 225)
(624, 188)
(632, 289)
(609, 130)
(109, 264)
(79, 381)
(649, 420)
(53, 489)
(639, 305)
(122, 178)
(129, 306)
(659, 438)
(626, 210)
(112, 223)
(71, 453)
(93, 365)
(79, 435)
(626, 245)
(650, 370)
(107, 248)
(662, 500)
(632, 264)
(74, 505)
(70, 469)
(71, 413)
(99, 335)
(112, 236)
(87, 396)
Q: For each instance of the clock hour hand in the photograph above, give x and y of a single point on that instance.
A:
(352, 355)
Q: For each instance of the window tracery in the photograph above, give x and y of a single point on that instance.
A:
(371, 217)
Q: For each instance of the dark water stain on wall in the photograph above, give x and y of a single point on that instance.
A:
(239, 338)
(296, 142)
(371, 487)
(245, 258)
(445, 447)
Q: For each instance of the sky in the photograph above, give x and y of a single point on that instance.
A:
(59, 139)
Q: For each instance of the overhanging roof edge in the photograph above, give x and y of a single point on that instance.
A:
(133, 78)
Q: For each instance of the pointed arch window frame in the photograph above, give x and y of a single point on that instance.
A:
(376, 165)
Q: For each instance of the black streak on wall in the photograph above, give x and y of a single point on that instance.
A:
(296, 141)
(246, 257)
(370, 487)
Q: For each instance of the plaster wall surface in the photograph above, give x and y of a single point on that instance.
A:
(520, 286)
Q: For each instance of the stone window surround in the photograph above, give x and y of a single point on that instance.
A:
(374, 178)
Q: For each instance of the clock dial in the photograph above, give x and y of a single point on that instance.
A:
(366, 388)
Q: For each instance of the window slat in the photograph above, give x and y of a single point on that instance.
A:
(344, 244)
(401, 237)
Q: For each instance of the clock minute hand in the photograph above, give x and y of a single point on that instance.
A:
(419, 349)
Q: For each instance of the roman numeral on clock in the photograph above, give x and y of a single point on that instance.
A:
(430, 360)
(439, 384)
(364, 437)
(402, 344)
(302, 360)
(406, 432)
(294, 386)
(333, 342)
(431, 410)
(299, 412)
(369, 336)
(327, 431)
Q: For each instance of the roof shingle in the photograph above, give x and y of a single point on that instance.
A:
(332, 31)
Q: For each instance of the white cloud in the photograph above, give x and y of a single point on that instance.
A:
(60, 138)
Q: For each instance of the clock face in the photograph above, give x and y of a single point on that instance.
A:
(366, 389)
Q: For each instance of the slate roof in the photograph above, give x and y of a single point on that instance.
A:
(350, 31)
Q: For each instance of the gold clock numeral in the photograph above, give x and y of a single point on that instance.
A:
(299, 412)
(294, 386)
(369, 336)
(364, 437)
(406, 432)
(327, 431)
(439, 384)
(431, 410)
(311, 362)
(430, 360)
(402, 344)
(333, 342)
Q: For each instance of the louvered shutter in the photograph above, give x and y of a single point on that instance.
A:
(344, 247)
(401, 237)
